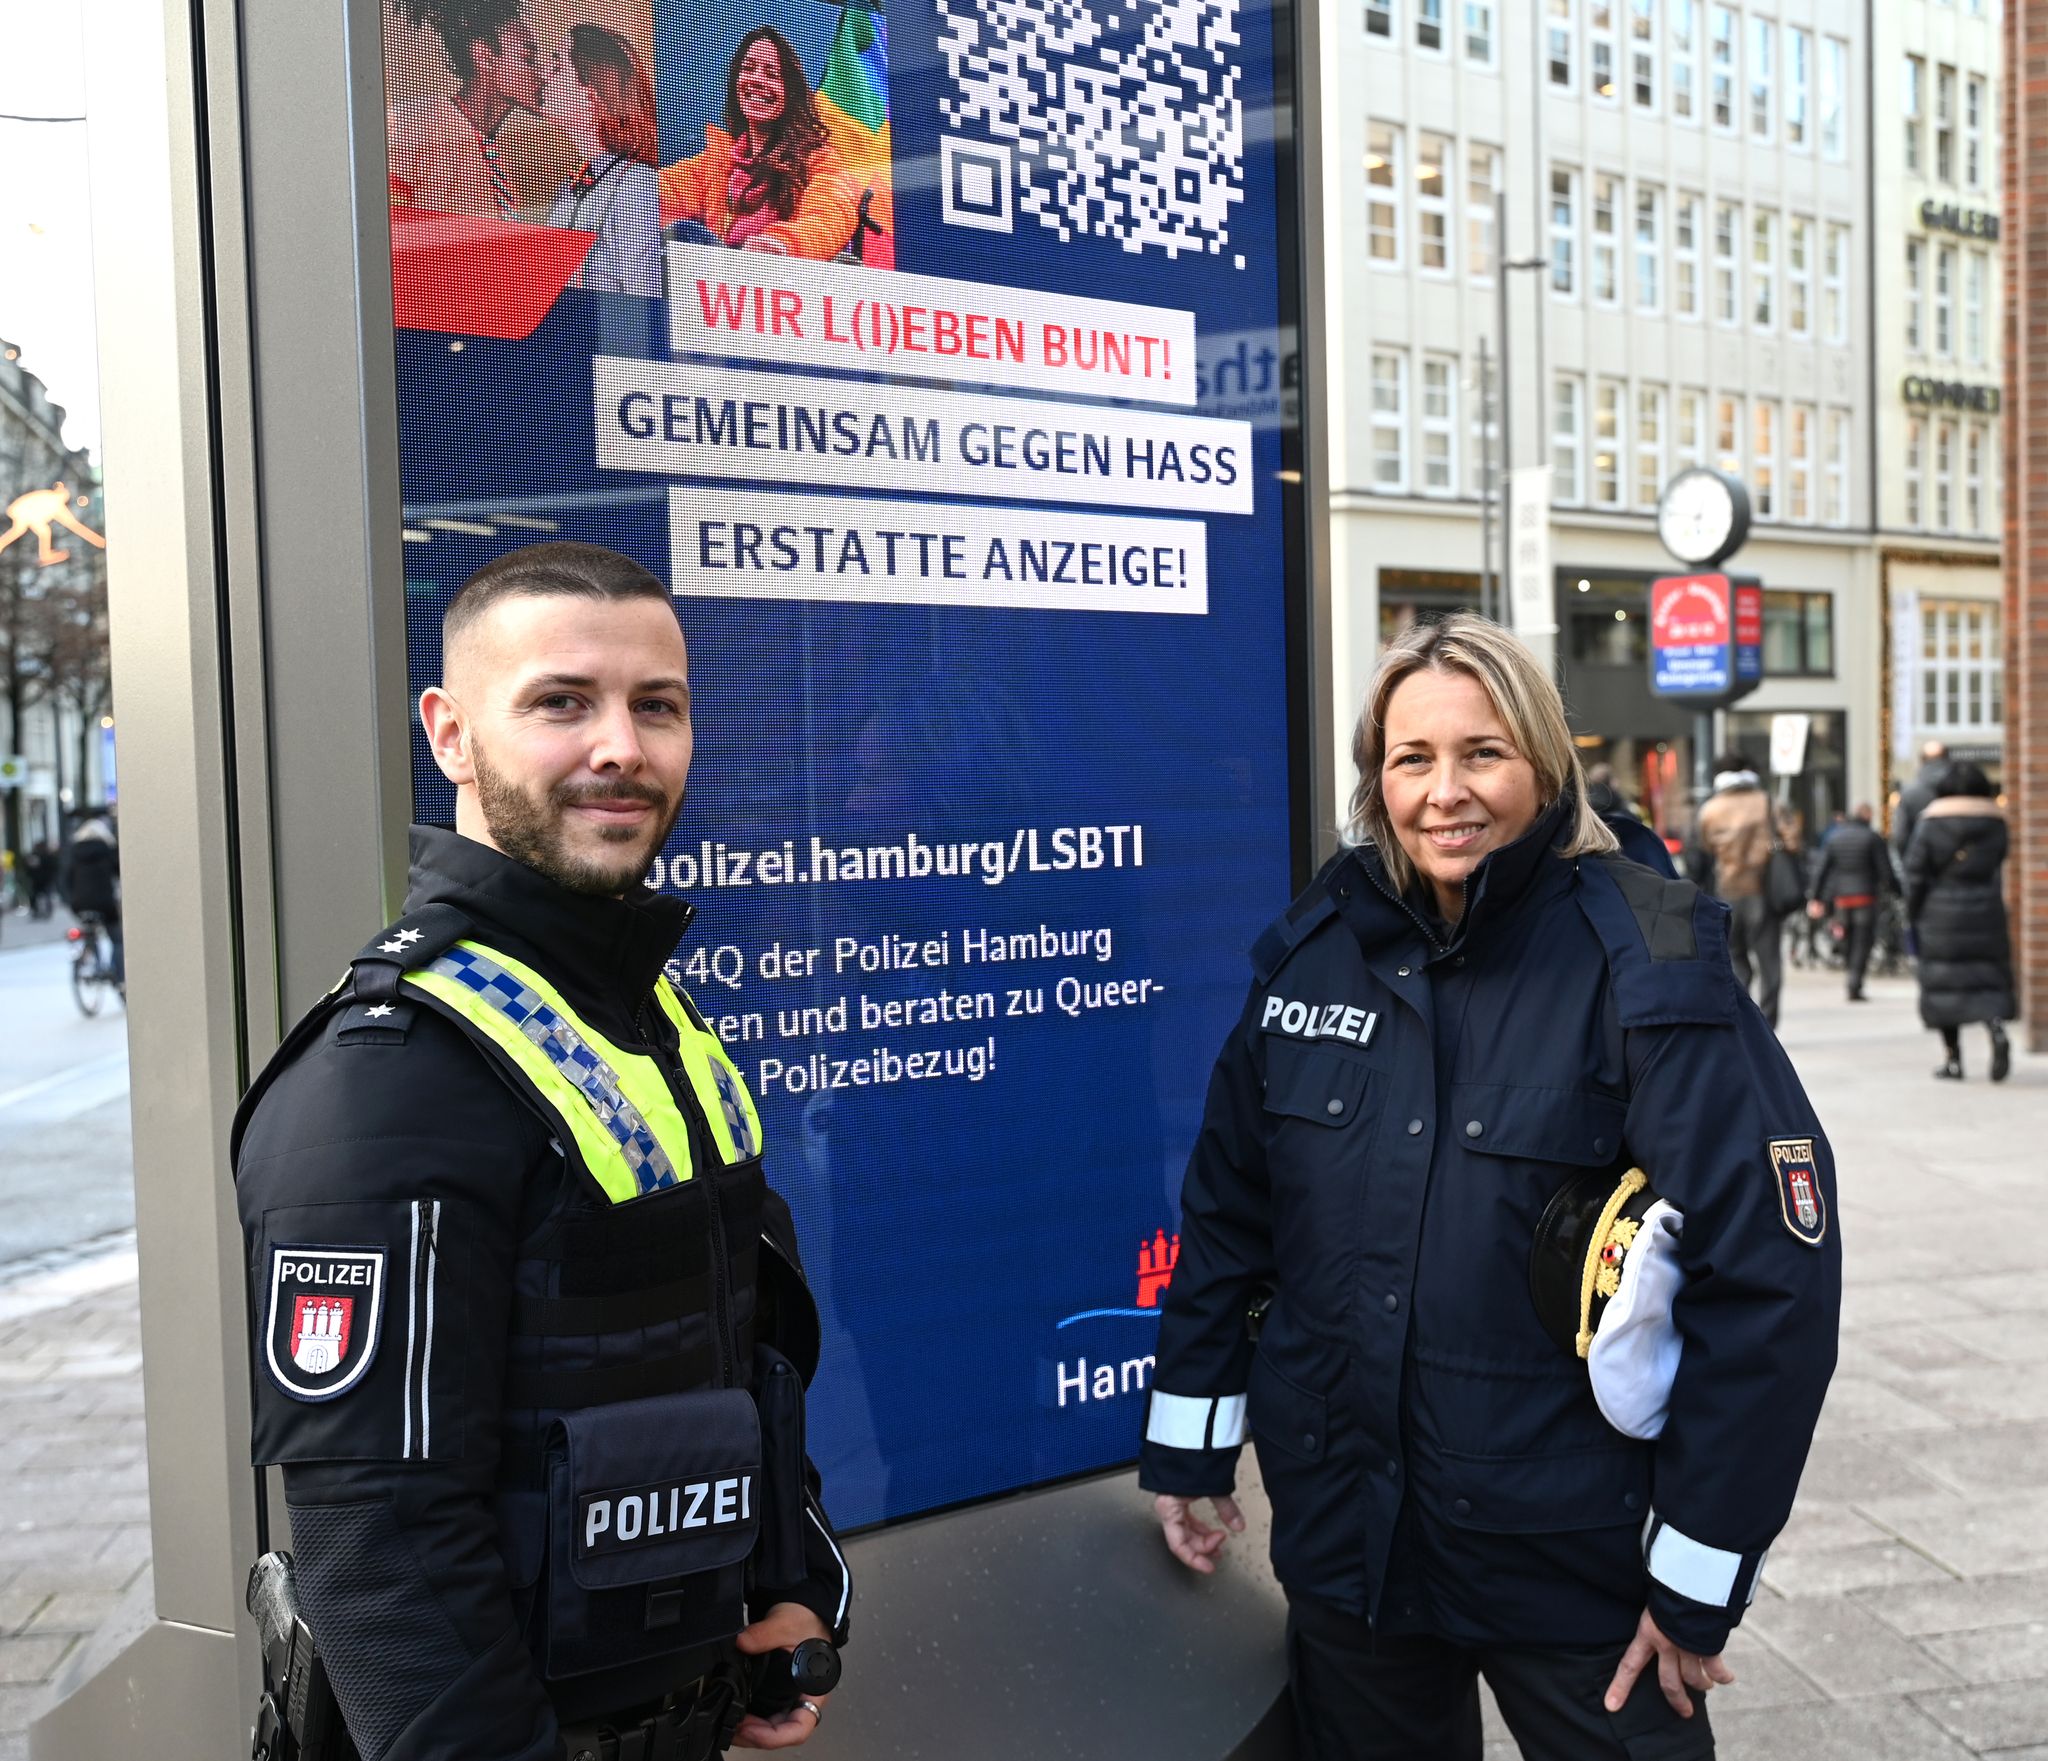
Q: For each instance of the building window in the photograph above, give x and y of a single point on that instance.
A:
(1799, 634)
(1728, 435)
(1763, 458)
(1914, 108)
(1916, 472)
(1429, 26)
(1600, 48)
(1761, 78)
(1944, 300)
(1479, 28)
(1798, 85)
(1607, 444)
(1390, 421)
(1379, 18)
(1642, 53)
(1682, 28)
(1564, 232)
(1567, 439)
(1798, 276)
(1945, 124)
(1916, 295)
(1834, 98)
(1962, 665)
(1973, 477)
(1685, 256)
(1649, 248)
(1763, 266)
(1439, 426)
(1560, 41)
(1837, 510)
(1433, 204)
(1834, 284)
(1799, 463)
(1974, 271)
(1649, 446)
(1606, 243)
(1727, 226)
(1383, 194)
(1722, 71)
(1973, 133)
(1944, 476)
(1692, 436)
(1485, 431)
(1482, 208)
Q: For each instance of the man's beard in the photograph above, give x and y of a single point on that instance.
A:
(532, 831)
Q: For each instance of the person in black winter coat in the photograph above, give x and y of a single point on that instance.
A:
(1854, 875)
(1955, 899)
(1915, 797)
(89, 878)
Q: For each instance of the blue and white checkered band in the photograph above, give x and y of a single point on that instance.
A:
(734, 1109)
(597, 1081)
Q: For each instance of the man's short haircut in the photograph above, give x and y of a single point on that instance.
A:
(1734, 761)
(569, 571)
(1933, 750)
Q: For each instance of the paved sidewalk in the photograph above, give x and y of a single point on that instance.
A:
(1904, 1613)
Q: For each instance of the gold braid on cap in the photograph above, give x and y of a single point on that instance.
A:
(1611, 1228)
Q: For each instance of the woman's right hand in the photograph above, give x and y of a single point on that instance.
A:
(1189, 1539)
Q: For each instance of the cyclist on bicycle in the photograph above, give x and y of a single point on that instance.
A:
(89, 878)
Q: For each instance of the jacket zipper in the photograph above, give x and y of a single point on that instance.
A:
(721, 1294)
(1414, 917)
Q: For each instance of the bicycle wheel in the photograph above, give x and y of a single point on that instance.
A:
(88, 981)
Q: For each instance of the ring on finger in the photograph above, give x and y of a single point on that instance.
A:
(816, 1711)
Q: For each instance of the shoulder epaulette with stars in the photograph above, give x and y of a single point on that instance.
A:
(415, 940)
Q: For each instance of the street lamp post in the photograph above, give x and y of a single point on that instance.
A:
(1495, 585)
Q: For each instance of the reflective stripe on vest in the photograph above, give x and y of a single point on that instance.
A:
(615, 1104)
(720, 1092)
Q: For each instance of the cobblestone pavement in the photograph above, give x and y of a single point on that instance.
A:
(1903, 1615)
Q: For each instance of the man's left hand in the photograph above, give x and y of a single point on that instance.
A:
(1677, 1669)
(782, 1628)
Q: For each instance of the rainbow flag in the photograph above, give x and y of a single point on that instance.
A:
(853, 104)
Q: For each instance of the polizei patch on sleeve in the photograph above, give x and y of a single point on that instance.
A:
(325, 1310)
(612, 1522)
(1799, 1195)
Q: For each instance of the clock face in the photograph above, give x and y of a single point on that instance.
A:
(1697, 517)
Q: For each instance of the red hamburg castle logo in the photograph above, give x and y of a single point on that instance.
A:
(320, 1329)
(1156, 1260)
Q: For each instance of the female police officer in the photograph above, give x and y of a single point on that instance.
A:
(1477, 1009)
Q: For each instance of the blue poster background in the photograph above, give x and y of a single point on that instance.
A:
(975, 1245)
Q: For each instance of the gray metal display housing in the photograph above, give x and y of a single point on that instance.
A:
(249, 418)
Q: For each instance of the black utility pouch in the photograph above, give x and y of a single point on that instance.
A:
(779, 1392)
(653, 1509)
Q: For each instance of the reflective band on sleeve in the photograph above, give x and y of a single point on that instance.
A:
(1187, 1421)
(1692, 1568)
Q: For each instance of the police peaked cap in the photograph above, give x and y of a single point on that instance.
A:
(1581, 1241)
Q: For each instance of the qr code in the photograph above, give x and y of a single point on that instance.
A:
(1125, 116)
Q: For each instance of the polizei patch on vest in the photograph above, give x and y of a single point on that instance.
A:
(613, 1522)
(1799, 1195)
(325, 1311)
(1300, 1020)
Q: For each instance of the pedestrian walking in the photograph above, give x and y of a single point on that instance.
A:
(1955, 901)
(1853, 879)
(1915, 797)
(42, 879)
(1735, 836)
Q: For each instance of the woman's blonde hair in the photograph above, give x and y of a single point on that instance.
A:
(1523, 696)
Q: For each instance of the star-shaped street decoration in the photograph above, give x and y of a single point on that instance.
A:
(378, 1013)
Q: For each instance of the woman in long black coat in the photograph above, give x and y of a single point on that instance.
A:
(1955, 898)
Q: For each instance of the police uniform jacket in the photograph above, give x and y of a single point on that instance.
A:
(1383, 1129)
(416, 1490)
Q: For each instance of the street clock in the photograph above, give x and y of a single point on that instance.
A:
(1703, 516)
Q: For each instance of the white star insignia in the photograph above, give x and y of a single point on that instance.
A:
(378, 1013)
(391, 947)
(406, 937)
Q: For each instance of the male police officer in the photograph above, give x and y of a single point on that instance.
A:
(529, 1327)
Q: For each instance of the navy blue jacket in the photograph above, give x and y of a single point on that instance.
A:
(1383, 1129)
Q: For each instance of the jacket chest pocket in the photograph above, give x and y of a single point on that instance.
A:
(1579, 1127)
(1322, 1108)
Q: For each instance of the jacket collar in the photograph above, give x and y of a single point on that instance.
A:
(603, 953)
(1962, 807)
(1502, 881)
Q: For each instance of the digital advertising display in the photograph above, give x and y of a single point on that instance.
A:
(938, 354)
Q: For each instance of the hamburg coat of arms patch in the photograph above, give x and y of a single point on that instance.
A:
(325, 1311)
(1799, 1195)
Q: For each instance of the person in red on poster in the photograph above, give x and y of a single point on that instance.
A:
(599, 95)
(770, 179)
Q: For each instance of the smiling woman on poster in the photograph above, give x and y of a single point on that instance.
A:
(770, 179)
(598, 94)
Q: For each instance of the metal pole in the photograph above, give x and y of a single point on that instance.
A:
(1507, 429)
(1488, 477)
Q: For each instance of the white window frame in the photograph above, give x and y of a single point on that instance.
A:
(1388, 194)
(1479, 23)
(1800, 419)
(1390, 419)
(1485, 433)
(1382, 20)
(1688, 209)
(1834, 99)
(1761, 92)
(1763, 458)
(1916, 472)
(1945, 124)
(1602, 49)
(1913, 111)
(1432, 29)
(1945, 301)
(1834, 282)
(1690, 436)
(1799, 276)
(1433, 212)
(1962, 665)
(1944, 475)
(1975, 94)
(1568, 439)
(1728, 265)
(1561, 45)
(1976, 278)
(1564, 233)
(1439, 376)
(1798, 88)
(1652, 438)
(1836, 512)
(1482, 211)
(1647, 226)
(1604, 259)
(1722, 30)
(1642, 55)
(1916, 296)
(1974, 438)
(1729, 438)
(1682, 54)
(1609, 483)
(1763, 269)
